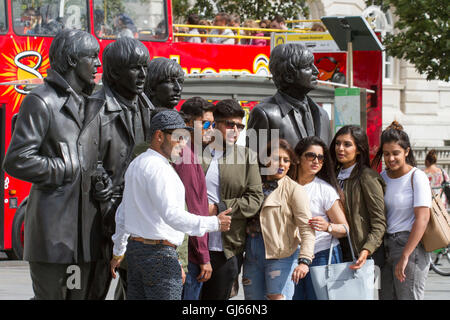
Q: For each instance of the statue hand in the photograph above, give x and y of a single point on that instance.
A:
(106, 193)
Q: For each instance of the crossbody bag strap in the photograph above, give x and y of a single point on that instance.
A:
(443, 175)
(412, 181)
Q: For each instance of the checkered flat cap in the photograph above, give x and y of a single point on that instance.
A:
(168, 120)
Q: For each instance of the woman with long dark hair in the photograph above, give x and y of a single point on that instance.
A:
(363, 190)
(408, 202)
(315, 172)
(273, 260)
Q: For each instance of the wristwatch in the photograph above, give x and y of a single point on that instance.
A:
(304, 261)
(330, 228)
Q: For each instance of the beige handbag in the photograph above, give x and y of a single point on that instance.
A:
(437, 233)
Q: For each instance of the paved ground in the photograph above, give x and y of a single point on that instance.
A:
(15, 283)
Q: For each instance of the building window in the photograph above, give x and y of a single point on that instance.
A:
(382, 22)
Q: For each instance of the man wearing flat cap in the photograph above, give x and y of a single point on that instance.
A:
(151, 220)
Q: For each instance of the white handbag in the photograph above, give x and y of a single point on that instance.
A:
(339, 282)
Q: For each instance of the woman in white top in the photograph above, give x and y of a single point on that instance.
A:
(408, 202)
(315, 173)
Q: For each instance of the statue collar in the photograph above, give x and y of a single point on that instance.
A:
(55, 79)
(285, 105)
(112, 105)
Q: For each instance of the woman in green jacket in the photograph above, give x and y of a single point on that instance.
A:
(363, 195)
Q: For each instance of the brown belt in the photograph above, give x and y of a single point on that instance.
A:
(150, 241)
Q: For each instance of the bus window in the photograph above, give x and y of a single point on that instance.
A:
(141, 19)
(3, 24)
(47, 17)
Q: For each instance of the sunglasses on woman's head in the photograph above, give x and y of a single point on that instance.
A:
(311, 156)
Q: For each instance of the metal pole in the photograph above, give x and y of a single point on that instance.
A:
(350, 64)
(348, 32)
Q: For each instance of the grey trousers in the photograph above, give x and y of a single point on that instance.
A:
(54, 281)
(413, 288)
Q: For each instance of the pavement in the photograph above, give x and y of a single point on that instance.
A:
(15, 283)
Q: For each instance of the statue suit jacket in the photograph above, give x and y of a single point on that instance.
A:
(277, 113)
(117, 143)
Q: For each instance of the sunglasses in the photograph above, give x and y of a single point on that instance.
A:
(230, 125)
(180, 137)
(311, 156)
(208, 124)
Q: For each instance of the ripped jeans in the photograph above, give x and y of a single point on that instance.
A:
(261, 276)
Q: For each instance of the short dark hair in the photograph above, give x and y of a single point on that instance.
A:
(279, 19)
(193, 19)
(362, 146)
(70, 43)
(195, 107)
(394, 133)
(122, 53)
(159, 70)
(287, 59)
(228, 108)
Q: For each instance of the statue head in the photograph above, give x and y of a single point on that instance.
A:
(164, 82)
(293, 69)
(125, 64)
(74, 55)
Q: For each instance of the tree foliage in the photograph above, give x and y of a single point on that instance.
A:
(247, 9)
(422, 35)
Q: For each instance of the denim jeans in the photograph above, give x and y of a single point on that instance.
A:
(154, 272)
(261, 276)
(416, 271)
(304, 290)
(192, 287)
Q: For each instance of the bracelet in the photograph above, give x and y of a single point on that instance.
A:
(304, 261)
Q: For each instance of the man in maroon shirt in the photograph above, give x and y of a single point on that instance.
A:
(198, 113)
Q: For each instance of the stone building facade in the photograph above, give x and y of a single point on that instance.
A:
(421, 106)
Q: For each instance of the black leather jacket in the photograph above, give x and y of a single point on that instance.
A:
(277, 113)
(52, 149)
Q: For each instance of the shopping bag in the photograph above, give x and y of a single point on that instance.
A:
(339, 282)
(437, 233)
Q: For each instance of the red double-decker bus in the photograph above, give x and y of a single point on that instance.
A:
(27, 28)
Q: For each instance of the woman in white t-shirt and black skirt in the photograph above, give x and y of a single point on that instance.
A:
(315, 172)
(408, 202)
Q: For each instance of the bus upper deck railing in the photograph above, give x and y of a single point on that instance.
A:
(238, 35)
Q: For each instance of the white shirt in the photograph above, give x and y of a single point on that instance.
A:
(221, 40)
(153, 205)
(213, 190)
(322, 196)
(194, 39)
(400, 201)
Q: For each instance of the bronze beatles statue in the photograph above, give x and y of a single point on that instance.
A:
(124, 123)
(290, 110)
(55, 146)
(164, 83)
